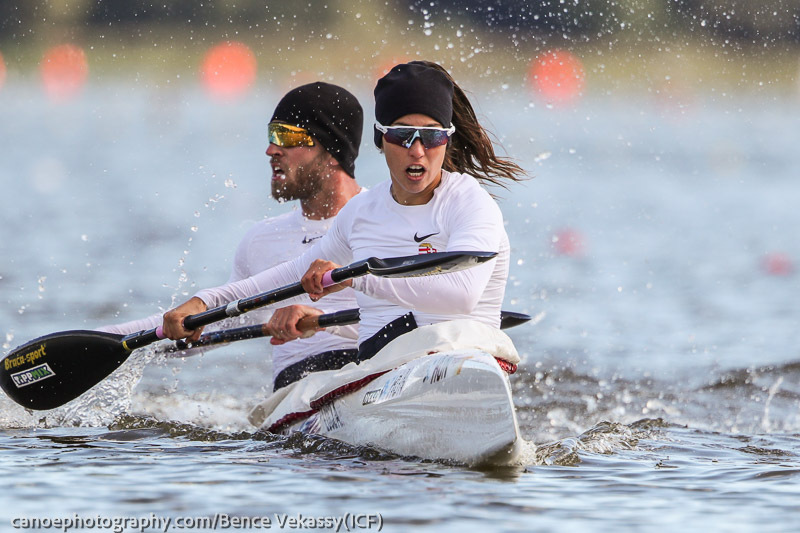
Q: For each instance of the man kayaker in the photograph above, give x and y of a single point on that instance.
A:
(314, 137)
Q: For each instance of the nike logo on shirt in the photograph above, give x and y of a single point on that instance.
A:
(420, 239)
(306, 240)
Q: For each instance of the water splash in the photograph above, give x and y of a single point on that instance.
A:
(603, 438)
(9, 338)
(98, 407)
(771, 394)
(41, 281)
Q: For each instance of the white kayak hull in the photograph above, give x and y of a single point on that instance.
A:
(453, 405)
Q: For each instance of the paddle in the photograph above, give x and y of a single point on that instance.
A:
(50, 371)
(508, 319)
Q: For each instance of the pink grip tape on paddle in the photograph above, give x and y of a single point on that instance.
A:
(160, 333)
(327, 280)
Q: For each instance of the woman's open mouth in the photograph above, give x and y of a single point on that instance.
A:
(415, 171)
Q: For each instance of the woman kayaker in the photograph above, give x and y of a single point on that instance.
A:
(438, 155)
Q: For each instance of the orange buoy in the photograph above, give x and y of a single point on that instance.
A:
(557, 76)
(228, 70)
(64, 71)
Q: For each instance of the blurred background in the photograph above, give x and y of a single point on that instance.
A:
(561, 49)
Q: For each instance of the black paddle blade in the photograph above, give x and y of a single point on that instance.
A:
(50, 371)
(510, 319)
(426, 264)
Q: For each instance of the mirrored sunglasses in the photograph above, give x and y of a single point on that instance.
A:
(288, 136)
(405, 136)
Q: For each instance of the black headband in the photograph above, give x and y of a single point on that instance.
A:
(413, 88)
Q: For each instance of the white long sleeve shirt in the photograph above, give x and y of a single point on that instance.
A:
(461, 216)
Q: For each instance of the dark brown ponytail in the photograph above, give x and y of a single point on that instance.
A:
(470, 150)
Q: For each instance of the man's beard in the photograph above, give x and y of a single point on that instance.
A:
(301, 184)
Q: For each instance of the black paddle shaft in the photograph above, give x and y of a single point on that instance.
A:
(338, 318)
(508, 319)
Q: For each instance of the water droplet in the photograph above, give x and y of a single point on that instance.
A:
(9, 338)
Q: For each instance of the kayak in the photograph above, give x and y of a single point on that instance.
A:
(440, 392)
(454, 406)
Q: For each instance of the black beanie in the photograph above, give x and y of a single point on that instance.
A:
(413, 88)
(331, 114)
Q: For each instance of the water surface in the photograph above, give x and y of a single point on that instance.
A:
(659, 381)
